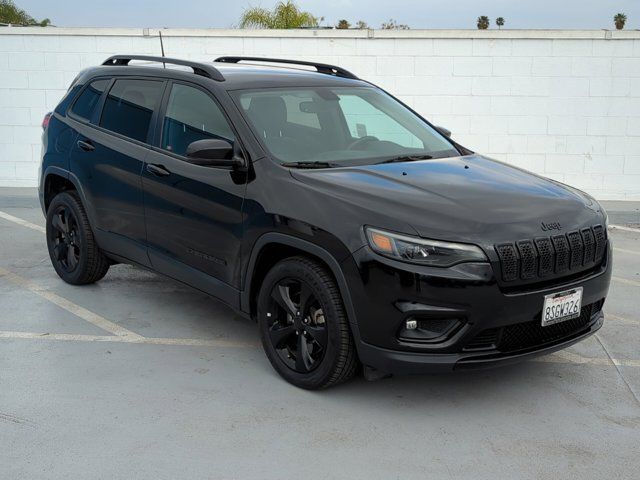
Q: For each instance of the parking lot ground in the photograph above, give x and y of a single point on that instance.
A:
(138, 376)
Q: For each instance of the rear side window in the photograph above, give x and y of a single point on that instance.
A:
(192, 115)
(129, 107)
(88, 100)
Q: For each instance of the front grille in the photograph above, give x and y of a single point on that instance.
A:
(509, 261)
(542, 257)
(532, 334)
(545, 256)
(600, 239)
(589, 243)
(561, 248)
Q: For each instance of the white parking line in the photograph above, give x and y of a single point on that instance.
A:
(562, 357)
(625, 229)
(626, 281)
(87, 315)
(119, 333)
(22, 222)
(191, 342)
(624, 250)
(565, 356)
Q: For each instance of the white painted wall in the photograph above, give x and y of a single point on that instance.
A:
(565, 104)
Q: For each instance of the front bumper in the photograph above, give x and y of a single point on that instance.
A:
(391, 361)
(385, 293)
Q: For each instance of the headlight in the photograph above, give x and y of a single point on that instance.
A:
(422, 251)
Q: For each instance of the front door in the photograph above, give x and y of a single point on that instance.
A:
(193, 213)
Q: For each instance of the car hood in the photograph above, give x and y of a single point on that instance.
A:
(471, 198)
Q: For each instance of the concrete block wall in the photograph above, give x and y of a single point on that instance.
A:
(564, 104)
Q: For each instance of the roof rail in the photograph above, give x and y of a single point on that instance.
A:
(203, 69)
(320, 67)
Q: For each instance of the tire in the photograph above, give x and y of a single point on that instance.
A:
(73, 251)
(300, 304)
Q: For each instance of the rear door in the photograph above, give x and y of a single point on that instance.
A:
(108, 158)
(193, 213)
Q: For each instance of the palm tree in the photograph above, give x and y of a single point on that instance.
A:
(620, 19)
(284, 15)
(343, 24)
(361, 25)
(500, 22)
(483, 22)
(393, 25)
(10, 13)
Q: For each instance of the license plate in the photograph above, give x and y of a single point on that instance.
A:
(561, 306)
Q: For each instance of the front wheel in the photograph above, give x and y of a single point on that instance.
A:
(303, 325)
(74, 253)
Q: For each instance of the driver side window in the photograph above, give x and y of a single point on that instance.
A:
(363, 119)
(192, 115)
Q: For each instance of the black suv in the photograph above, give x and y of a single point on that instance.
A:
(350, 228)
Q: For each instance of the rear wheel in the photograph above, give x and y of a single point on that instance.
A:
(303, 325)
(73, 250)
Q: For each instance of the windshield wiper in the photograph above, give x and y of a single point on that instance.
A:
(309, 164)
(407, 158)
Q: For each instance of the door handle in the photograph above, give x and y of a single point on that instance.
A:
(86, 146)
(157, 170)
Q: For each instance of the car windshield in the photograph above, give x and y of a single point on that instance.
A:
(336, 126)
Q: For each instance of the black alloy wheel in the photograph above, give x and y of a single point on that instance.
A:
(65, 238)
(297, 328)
(303, 324)
(74, 252)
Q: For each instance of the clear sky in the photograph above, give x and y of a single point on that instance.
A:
(576, 14)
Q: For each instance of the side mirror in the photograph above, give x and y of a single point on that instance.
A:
(444, 131)
(212, 153)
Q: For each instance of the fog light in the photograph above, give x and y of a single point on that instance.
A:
(412, 324)
(428, 329)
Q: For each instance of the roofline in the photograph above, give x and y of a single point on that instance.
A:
(594, 34)
(208, 70)
(230, 83)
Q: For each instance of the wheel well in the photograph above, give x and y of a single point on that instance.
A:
(269, 255)
(53, 185)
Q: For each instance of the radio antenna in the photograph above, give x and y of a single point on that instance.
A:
(162, 48)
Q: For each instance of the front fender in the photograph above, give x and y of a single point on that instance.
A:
(312, 249)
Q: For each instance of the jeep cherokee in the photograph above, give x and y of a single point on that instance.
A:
(350, 228)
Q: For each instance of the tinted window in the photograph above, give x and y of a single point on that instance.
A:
(192, 115)
(365, 119)
(88, 100)
(129, 107)
(300, 110)
(349, 126)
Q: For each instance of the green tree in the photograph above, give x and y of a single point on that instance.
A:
(10, 13)
(393, 25)
(500, 22)
(620, 19)
(361, 25)
(284, 15)
(343, 24)
(483, 22)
